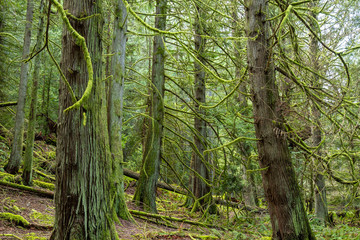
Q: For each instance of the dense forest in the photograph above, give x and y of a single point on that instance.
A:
(167, 119)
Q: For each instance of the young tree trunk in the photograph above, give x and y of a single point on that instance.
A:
(45, 105)
(287, 213)
(200, 188)
(83, 199)
(16, 152)
(28, 156)
(149, 173)
(249, 193)
(321, 210)
(116, 99)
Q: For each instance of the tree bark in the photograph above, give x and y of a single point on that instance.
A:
(249, 193)
(116, 100)
(321, 209)
(287, 213)
(28, 156)
(16, 152)
(45, 104)
(200, 188)
(83, 198)
(149, 174)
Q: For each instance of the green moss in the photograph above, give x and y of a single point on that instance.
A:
(17, 219)
(45, 185)
(32, 236)
(42, 218)
(7, 177)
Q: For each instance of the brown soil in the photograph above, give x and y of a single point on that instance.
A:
(40, 214)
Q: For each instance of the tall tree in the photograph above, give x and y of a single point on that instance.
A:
(17, 144)
(287, 213)
(321, 210)
(200, 181)
(115, 109)
(149, 173)
(83, 199)
(28, 156)
(249, 193)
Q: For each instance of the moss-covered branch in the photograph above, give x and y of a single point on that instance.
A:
(7, 104)
(80, 41)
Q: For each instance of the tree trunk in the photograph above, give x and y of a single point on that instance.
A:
(321, 210)
(287, 213)
(83, 200)
(2, 54)
(116, 99)
(149, 173)
(16, 151)
(45, 105)
(28, 156)
(249, 193)
(200, 188)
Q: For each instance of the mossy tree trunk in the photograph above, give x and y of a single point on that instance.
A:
(250, 192)
(28, 156)
(2, 53)
(200, 184)
(145, 194)
(83, 198)
(321, 209)
(44, 116)
(16, 152)
(116, 97)
(287, 212)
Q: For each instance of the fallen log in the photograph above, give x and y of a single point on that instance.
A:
(174, 219)
(219, 201)
(38, 192)
(162, 185)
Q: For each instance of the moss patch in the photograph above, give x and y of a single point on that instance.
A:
(49, 186)
(17, 219)
(33, 236)
(42, 218)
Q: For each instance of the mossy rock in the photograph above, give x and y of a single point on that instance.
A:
(17, 219)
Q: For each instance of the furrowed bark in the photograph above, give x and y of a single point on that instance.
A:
(288, 217)
(83, 201)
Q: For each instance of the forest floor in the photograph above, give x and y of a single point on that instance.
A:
(32, 215)
(40, 211)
